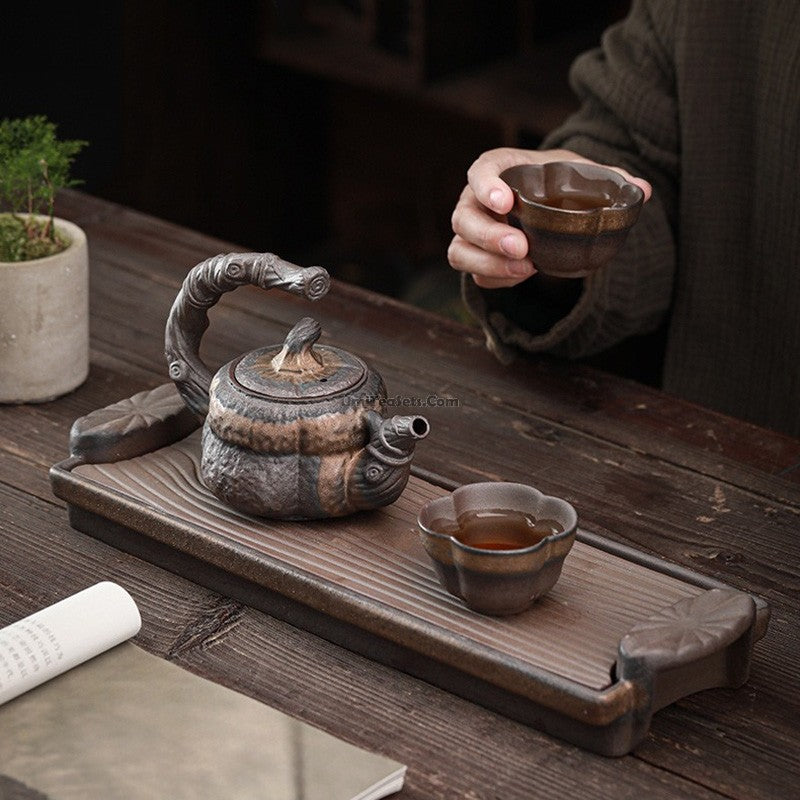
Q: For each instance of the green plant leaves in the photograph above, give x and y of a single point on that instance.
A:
(34, 165)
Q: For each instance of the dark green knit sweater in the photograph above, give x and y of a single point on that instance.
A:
(702, 98)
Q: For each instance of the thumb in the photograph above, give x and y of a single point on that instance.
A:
(500, 198)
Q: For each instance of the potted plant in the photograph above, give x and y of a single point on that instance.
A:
(44, 294)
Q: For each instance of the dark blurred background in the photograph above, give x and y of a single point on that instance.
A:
(335, 132)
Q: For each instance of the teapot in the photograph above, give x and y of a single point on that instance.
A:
(293, 430)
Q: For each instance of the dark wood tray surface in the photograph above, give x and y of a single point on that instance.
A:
(378, 557)
(618, 637)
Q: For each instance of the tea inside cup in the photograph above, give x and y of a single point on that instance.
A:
(576, 216)
(497, 546)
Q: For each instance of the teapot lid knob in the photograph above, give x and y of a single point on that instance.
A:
(297, 353)
(304, 334)
(296, 371)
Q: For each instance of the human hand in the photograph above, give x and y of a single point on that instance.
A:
(485, 245)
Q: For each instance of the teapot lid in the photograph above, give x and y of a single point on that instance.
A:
(298, 371)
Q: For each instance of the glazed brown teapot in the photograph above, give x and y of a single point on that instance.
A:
(292, 430)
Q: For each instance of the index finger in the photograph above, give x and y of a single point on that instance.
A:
(484, 179)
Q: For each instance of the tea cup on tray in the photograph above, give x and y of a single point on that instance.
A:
(497, 546)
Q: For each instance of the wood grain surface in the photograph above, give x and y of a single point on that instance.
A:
(699, 489)
(573, 631)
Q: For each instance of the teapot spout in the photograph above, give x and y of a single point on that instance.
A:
(382, 469)
(398, 435)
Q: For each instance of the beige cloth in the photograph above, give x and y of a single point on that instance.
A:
(129, 726)
(701, 98)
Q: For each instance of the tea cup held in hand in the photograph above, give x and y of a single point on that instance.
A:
(497, 546)
(576, 216)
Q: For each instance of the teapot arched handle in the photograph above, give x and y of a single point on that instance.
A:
(202, 288)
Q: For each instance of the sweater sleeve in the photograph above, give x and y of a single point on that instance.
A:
(628, 117)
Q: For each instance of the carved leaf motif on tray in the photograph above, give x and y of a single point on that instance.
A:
(692, 627)
(135, 412)
(144, 422)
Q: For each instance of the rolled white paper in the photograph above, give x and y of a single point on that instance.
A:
(63, 635)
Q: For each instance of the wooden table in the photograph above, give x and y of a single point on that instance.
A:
(669, 478)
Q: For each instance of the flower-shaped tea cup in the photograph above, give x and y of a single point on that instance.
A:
(497, 546)
(575, 215)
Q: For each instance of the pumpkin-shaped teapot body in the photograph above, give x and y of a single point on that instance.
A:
(293, 430)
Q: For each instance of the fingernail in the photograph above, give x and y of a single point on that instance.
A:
(519, 269)
(511, 246)
(496, 199)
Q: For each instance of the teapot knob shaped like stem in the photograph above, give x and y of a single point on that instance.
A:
(303, 335)
(297, 353)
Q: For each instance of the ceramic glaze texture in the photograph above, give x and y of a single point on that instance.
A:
(291, 431)
(260, 447)
(575, 216)
(499, 582)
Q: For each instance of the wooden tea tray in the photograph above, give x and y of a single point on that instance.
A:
(619, 636)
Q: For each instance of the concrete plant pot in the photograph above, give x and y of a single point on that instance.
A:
(44, 322)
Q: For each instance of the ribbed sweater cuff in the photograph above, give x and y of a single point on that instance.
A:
(628, 296)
